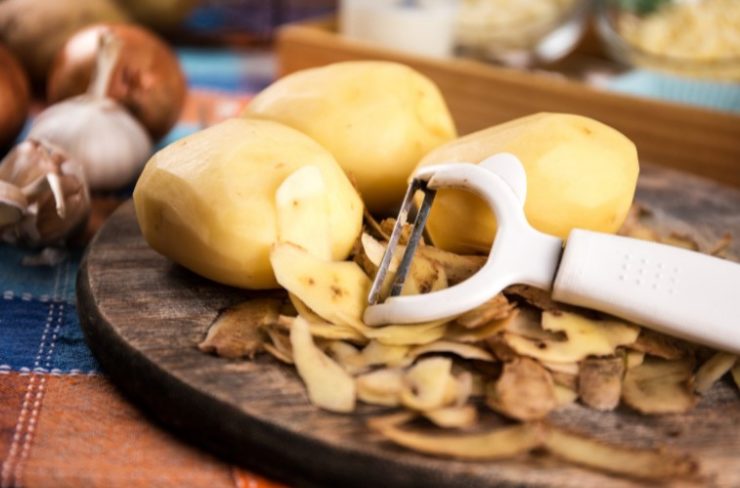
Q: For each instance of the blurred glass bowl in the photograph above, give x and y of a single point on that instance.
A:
(520, 33)
(690, 38)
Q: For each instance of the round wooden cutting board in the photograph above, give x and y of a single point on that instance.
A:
(143, 317)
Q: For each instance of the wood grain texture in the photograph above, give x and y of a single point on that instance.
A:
(481, 95)
(143, 317)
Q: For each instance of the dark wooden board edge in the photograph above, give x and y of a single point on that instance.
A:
(220, 428)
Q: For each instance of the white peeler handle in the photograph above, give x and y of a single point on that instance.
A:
(673, 290)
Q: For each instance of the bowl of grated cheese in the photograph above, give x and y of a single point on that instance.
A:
(691, 38)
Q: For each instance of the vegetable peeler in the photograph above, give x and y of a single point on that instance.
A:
(672, 290)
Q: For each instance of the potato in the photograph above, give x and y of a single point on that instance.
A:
(208, 201)
(378, 119)
(580, 173)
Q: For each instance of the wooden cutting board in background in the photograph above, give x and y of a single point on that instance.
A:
(143, 317)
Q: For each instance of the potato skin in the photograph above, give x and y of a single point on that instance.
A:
(580, 174)
(208, 201)
(377, 118)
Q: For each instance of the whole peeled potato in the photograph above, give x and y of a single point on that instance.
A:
(35, 29)
(208, 201)
(147, 78)
(378, 119)
(14, 98)
(580, 174)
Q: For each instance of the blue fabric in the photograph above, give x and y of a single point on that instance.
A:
(39, 282)
(226, 70)
(39, 329)
(708, 94)
(42, 336)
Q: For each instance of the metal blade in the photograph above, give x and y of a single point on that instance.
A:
(403, 216)
(416, 233)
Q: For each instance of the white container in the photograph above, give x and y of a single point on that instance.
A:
(422, 27)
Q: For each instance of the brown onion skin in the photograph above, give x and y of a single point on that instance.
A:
(147, 80)
(160, 15)
(34, 30)
(14, 98)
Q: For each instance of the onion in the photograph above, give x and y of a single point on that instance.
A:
(162, 15)
(14, 98)
(34, 30)
(147, 79)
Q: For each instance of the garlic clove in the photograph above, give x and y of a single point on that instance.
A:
(52, 227)
(13, 204)
(53, 186)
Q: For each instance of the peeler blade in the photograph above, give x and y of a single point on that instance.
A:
(414, 240)
(418, 228)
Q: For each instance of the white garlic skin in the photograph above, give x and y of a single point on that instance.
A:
(110, 143)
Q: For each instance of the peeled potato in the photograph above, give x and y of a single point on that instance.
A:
(580, 173)
(378, 119)
(208, 201)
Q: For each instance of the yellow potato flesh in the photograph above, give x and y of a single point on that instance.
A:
(378, 119)
(208, 201)
(580, 174)
(335, 290)
(328, 385)
(303, 211)
(583, 337)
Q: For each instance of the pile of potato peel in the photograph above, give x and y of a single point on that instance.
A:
(520, 355)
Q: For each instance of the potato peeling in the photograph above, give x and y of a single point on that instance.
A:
(381, 387)
(236, 332)
(648, 464)
(496, 308)
(525, 391)
(517, 358)
(465, 351)
(328, 385)
(585, 337)
(424, 275)
(426, 385)
(659, 386)
(712, 370)
(335, 290)
(600, 382)
(453, 417)
(660, 345)
(502, 443)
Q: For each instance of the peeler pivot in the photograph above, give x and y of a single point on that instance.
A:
(520, 254)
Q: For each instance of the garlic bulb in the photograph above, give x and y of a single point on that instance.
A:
(96, 131)
(147, 79)
(43, 195)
